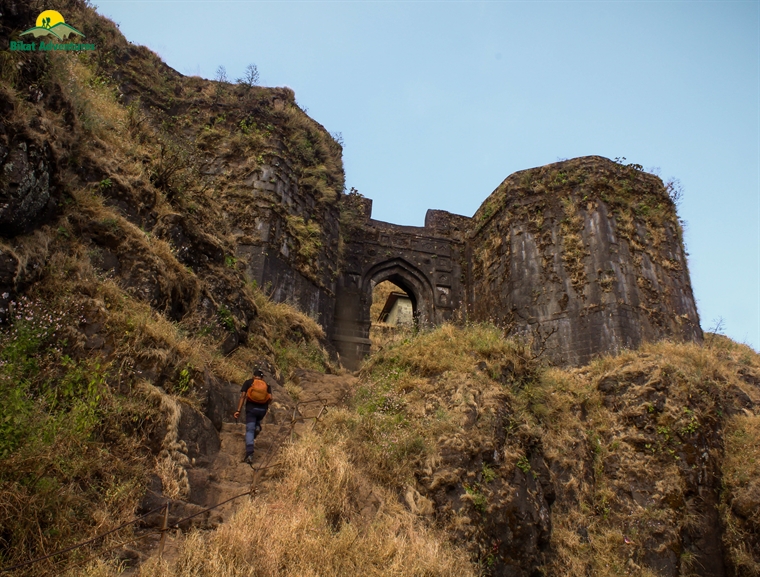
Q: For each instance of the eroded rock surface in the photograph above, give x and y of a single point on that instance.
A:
(26, 175)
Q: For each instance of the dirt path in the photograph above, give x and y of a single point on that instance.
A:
(216, 472)
(287, 418)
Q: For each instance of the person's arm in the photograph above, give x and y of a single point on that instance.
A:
(240, 406)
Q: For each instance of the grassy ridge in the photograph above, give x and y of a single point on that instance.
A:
(80, 427)
(449, 427)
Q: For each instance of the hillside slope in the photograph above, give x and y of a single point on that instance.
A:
(461, 456)
(127, 321)
(132, 200)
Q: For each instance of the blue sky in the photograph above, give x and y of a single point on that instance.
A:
(438, 102)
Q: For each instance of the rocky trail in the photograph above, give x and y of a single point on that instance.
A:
(214, 445)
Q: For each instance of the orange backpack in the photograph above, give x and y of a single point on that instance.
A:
(258, 392)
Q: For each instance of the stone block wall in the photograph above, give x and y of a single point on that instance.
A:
(423, 261)
(287, 238)
(583, 257)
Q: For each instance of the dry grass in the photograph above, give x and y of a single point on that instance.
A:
(574, 250)
(318, 153)
(454, 348)
(72, 451)
(584, 428)
(290, 339)
(283, 317)
(359, 496)
(383, 335)
(93, 98)
(96, 452)
(622, 456)
(741, 498)
(172, 461)
(439, 394)
(314, 522)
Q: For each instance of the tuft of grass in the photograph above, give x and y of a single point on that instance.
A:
(456, 350)
(307, 235)
(574, 250)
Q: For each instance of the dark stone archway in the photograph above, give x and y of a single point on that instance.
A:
(424, 261)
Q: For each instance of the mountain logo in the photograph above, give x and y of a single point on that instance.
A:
(51, 23)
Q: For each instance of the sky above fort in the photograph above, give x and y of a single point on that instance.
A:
(438, 102)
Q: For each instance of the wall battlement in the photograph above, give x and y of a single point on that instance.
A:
(585, 257)
(581, 257)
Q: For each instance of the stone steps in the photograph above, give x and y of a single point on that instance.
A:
(219, 476)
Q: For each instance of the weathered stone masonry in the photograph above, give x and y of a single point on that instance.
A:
(582, 257)
(585, 257)
(424, 261)
(287, 238)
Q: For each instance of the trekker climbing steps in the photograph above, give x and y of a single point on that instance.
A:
(257, 395)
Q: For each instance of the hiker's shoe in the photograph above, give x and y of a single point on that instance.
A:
(248, 459)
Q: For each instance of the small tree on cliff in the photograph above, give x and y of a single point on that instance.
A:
(251, 77)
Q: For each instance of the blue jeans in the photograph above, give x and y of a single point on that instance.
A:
(253, 418)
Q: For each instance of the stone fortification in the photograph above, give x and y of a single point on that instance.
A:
(424, 261)
(582, 257)
(287, 237)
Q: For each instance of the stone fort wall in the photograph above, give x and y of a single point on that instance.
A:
(287, 238)
(581, 257)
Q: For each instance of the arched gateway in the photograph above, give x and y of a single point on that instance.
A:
(408, 278)
(423, 261)
(582, 257)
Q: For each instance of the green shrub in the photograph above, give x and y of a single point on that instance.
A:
(226, 318)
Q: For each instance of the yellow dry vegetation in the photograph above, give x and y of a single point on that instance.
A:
(360, 495)
(640, 440)
(448, 347)
(75, 459)
(321, 517)
(574, 250)
(741, 481)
